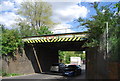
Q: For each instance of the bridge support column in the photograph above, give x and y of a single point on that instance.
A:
(46, 57)
(96, 64)
(41, 58)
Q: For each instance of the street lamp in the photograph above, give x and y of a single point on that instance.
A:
(107, 35)
(106, 40)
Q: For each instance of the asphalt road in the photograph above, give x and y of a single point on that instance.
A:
(46, 76)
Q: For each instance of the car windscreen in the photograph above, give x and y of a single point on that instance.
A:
(70, 67)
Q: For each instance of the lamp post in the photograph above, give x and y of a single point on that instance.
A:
(107, 35)
(107, 40)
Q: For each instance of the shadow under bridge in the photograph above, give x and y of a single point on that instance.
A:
(42, 50)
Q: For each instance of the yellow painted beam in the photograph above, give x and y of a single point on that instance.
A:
(78, 39)
(70, 39)
(59, 39)
(52, 40)
(55, 39)
(48, 40)
(63, 39)
(28, 41)
(31, 41)
(74, 38)
(66, 39)
(41, 40)
(45, 40)
(36, 41)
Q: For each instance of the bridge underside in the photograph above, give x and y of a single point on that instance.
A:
(46, 48)
(64, 46)
(42, 51)
(47, 53)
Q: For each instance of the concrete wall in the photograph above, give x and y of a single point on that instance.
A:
(27, 62)
(90, 61)
(97, 66)
(19, 64)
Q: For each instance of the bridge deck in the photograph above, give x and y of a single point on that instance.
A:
(79, 36)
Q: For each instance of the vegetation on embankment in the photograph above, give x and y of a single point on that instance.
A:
(4, 74)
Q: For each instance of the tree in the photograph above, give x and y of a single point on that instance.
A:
(65, 55)
(25, 30)
(10, 40)
(37, 15)
(97, 28)
(114, 38)
(44, 30)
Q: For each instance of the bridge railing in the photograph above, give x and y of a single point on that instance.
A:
(56, 38)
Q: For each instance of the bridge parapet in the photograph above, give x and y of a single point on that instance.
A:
(56, 38)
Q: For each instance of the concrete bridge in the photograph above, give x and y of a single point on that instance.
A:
(45, 48)
(42, 51)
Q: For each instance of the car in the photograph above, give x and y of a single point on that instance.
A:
(57, 67)
(72, 70)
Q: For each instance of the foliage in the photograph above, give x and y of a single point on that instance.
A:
(44, 30)
(26, 30)
(36, 16)
(4, 74)
(36, 21)
(65, 55)
(83, 56)
(97, 25)
(97, 28)
(10, 40)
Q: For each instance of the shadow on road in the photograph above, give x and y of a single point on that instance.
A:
(52, 73)
(49, 76)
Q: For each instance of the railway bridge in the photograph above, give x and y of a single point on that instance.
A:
(45, 48)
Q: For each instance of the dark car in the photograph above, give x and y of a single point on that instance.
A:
(57, 67)
(72, 70)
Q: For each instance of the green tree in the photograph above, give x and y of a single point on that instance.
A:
(83, 56)
(114, 38)
(25, 30)
(10, 40)
(65, 55)
(97, 28)
(44, 30)
(37, 15)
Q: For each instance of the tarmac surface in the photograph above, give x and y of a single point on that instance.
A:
(46, 76)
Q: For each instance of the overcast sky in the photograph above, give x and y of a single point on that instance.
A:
(64, 12)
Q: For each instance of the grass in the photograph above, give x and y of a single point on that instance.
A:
(4, 74)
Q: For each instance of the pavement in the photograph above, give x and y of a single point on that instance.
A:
(46, 76)
(35, 76)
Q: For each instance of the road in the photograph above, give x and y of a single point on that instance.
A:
(45, 76)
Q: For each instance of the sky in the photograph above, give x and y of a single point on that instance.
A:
(64, 12)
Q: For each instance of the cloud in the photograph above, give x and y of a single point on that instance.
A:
(92, 0)
(8, 12)
(62, 28)
(67, 12)
(18, 1)
(100, 0)
(8, 19)
(63, 12)
(6, 6)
